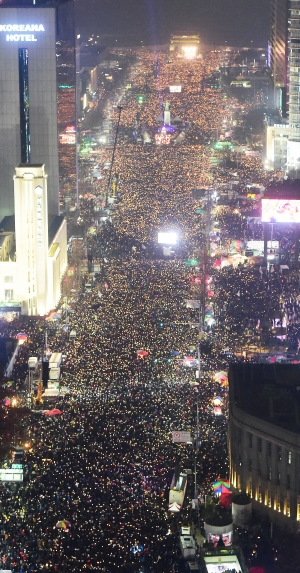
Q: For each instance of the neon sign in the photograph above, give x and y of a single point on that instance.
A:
(21, 28)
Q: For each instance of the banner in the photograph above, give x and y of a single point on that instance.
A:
(181, 437)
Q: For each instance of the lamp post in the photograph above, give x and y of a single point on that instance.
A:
(113, 156)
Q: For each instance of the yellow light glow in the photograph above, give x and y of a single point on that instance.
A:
(190, 52)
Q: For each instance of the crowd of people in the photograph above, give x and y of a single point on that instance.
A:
(97, 476)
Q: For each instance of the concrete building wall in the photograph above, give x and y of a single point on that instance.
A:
(265, 463)
(31, 223)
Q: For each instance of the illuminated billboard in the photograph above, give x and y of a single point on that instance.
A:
(167, 238)
(175, 89)
(280, 211)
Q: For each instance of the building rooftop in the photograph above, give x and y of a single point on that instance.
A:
(270, 392)
(7, 225)
(54, 222)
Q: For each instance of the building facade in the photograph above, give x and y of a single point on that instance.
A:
(34, 247)
(264, 439)
(67, 60)
(28, 111)
(276, 146)
(186, 45)
(278, 52)
(293, 149)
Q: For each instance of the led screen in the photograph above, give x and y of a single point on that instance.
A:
(167, 238)
(280, 211)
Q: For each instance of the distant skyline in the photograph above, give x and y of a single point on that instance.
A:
(237, 22)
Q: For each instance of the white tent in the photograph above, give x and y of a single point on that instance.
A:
(175, 507)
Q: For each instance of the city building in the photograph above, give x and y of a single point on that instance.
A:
(276, 146)
(186, 46)
(277, 57)
(67, 94)
(264, 438)
(33, 247)
(28, 112)
(293, 148)
(284, 63)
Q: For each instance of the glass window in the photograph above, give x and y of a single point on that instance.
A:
(24, 105)
(250, 465)
(269, 448)
(8, 295)
(289, 457)
(288, 482)
(259, 444)
(278, 453)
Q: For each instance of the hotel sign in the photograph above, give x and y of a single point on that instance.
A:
(23, 30)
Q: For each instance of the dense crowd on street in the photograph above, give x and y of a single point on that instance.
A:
(103, 467)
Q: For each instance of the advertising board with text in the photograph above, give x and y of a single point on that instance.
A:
(280, 211)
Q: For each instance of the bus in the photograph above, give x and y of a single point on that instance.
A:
(55, 360)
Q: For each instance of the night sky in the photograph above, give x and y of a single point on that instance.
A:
(235, 21)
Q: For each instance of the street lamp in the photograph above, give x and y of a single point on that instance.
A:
(113, 156)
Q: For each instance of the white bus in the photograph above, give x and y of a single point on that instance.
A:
(55, 360)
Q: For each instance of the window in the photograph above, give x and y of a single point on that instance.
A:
(250, 465)
(24, 105)
(269, 474)
(259, 445)
(269, 448)
(278, 453)
(250, 440)
(278, 478)
(288, 508)
(269, 499)
(259, 494)
(289, 457)
(239, 435)
(259, 468)
(250, 487)
(8, 279)
(288, 482)
(278, 506)
(8, 295)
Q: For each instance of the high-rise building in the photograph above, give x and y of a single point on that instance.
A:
(293, 148)
(284, 61)
(278, 52)
(28, 111)
(66, 57)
